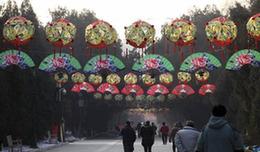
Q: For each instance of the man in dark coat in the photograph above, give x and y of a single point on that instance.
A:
(219, 135)
(147, 134)
(129, 137)
(177, 126)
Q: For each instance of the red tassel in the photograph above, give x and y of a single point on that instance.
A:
(236, 47)
(174, 48)
(181, 54)
(60, 51)
(191, 49)
(211, 47)
(153, 48)
(256, 44)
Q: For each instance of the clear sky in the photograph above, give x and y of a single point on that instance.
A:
(122, 13)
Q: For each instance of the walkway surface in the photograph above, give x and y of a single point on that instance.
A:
(103, 145)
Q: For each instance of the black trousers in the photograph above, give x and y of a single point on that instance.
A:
(173, 147)
(128, 147)
(147, 147)
(164, 138)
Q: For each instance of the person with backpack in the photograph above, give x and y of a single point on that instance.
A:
(219, 135)
(129, 137)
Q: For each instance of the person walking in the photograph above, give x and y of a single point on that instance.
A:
(138, 129)
(164, 132)
(129, 137)
(147, 134)
(154, 128)
(218, 135)
(177, 126)
(186, 138)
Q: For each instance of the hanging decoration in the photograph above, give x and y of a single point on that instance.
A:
(113, 79)
(148, 79)
(166, 78)
(95, 79)
(253, 28)
(78, 77)
(202, 75)
(157, 89)
(54, 62)
(140, 35)
(221, 31)
(184, 77)
(153, 62)
(243, 57)
(104, 62)
(60, 33)
(207, 89)
(14, 57)
(100, 35)
(183, 90)
(84, 86)
(18, 30)
(61, 77)
(200, 60)
(119, 97)
(130, 78)
(181, 32)
(133, 89)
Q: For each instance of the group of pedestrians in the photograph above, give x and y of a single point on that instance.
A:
(217, 135)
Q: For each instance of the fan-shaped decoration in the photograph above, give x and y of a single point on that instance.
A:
(61, 77)
(100, 34)
(106, 87)
(200, 60)
(95, 79)
(132, 89)
(221, 31)
(130, 78)
(107, 62)
(243, 57)
(60, 33)
(14, 57)
(180, 31)
(153, 61)
(148, 79)
(78, 77)
(183, 89)
(83, 87)
(207, 88)
(202, 75)
(57, 61)
(157, 88)
(253, 27)
(166, 78)
(184, 77)
(18, 30)
(140, 34)
(113, 79)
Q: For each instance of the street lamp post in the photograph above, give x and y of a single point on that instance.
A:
(60, 92)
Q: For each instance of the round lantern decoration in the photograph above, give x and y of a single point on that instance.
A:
(18, 30)
(119, 97)
(180, 31)
(78, 77)
(148, 79)
(95, 79)
(253, 28)
(221, 31)
(60, 33)
(140, 34)
(113, 79)
(166, 78)
(202, 75)
(184, 77)
(61, 77)
(100, 34)
(130, 78)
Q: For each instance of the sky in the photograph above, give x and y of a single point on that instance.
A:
(121, 13)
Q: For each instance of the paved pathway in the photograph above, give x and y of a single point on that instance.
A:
(108, 146)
